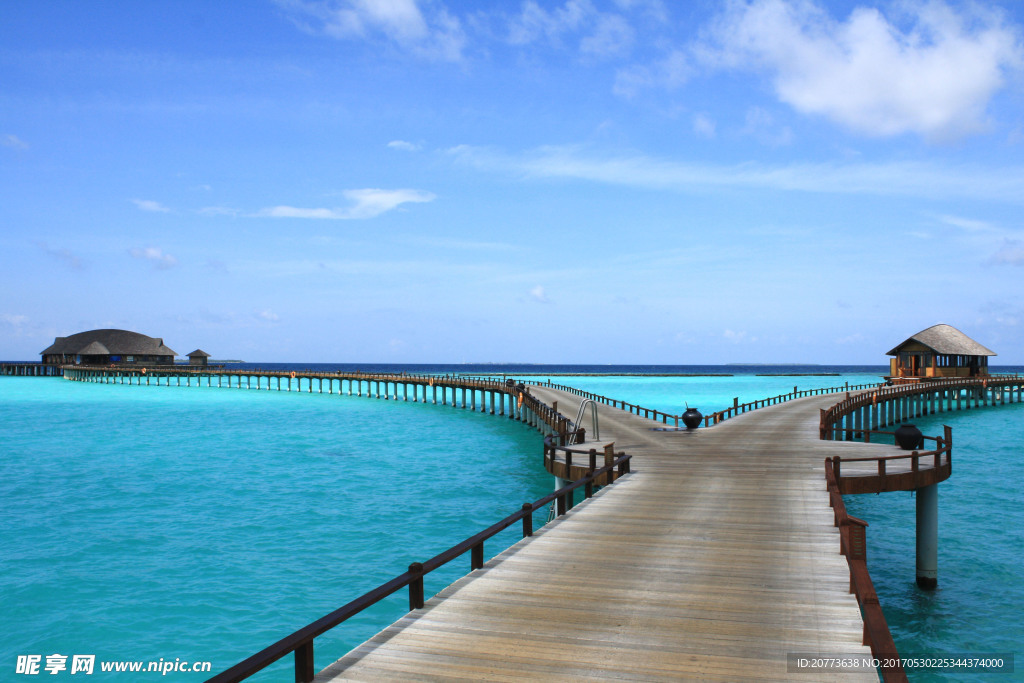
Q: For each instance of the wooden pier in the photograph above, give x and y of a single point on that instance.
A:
(30, 370)
(716, 559)
(726, 554)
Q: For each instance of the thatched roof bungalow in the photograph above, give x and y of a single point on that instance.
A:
(199, 357)
(939, 351)
(106, 347)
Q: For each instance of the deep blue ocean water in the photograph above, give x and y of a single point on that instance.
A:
(141, 523)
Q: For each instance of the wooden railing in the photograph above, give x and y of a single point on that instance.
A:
(712, 418)
(301, 642)
(568, 469)
(853, 544)
(30, 370)
(881, 394)
(558, 423)
(940, 460)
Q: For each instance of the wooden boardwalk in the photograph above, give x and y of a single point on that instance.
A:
(713, 560)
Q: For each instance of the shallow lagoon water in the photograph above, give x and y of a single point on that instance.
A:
(205, 524)
(148, 522)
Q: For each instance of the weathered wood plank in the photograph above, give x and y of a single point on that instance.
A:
(714, 559)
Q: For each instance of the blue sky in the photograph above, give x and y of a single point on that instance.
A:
(592, 181)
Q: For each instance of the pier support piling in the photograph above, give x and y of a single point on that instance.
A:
(928, 536)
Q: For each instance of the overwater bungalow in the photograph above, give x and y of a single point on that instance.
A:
(938, 352)
(108, 347)
(199, 357)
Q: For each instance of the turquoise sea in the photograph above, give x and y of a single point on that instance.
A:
(203, 524)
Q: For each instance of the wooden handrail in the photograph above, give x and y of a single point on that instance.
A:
(712, 418)
(301, 641)
(832, 416)
(852, 542)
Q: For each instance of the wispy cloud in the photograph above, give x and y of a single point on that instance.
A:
(539, 295)
(404, 146)
(934, 77)
(366, 203)
(267, 315)
(968, 224)
(437, 35)
(156, 256)
(669, 72)
(13, 141)
(219, 211)
(1011, 253)
(63, 255)
(916, 179)
(150, 205)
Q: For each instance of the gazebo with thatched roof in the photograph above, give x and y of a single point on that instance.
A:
(937, 352)
(199, 357)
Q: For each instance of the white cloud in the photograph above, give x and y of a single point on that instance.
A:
(738, 337)
(219, 211)
(913, 179)
(534, 22)
(65, 256)
(404, 146)
(968, 224)
(13, 141)
(704, 126)
(267, 315)
(670, 72)
(1011, 253)
(366, 203)
(600, 34)
(611, 36)
(13, 320)
(439, 36)
(150, 205)
(934, 76)
(761, 125)
(539, 295)
(160, 260)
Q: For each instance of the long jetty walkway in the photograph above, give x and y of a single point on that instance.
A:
(714, 555)
(715, 559)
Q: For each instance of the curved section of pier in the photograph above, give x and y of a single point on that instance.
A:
(717, 558)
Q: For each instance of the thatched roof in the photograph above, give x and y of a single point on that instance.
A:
(103, 342)
(946, 340)
(94, 349)
(199, 353)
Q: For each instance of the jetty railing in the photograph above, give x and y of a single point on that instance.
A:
(737, 408)
(545, 418)
(301, 642)
(885, 405)
(571, 468)
(30, 370)
(853, 544)
(926, 467)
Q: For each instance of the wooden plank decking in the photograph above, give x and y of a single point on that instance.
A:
(713, 560)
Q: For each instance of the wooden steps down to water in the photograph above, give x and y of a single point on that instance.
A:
(713, 560)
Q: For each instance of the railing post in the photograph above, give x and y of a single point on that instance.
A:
(416, 586)
(858, 540)
(304, 669)
(476, 556)
(609, 458)
(588, 489)
(527, 519)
